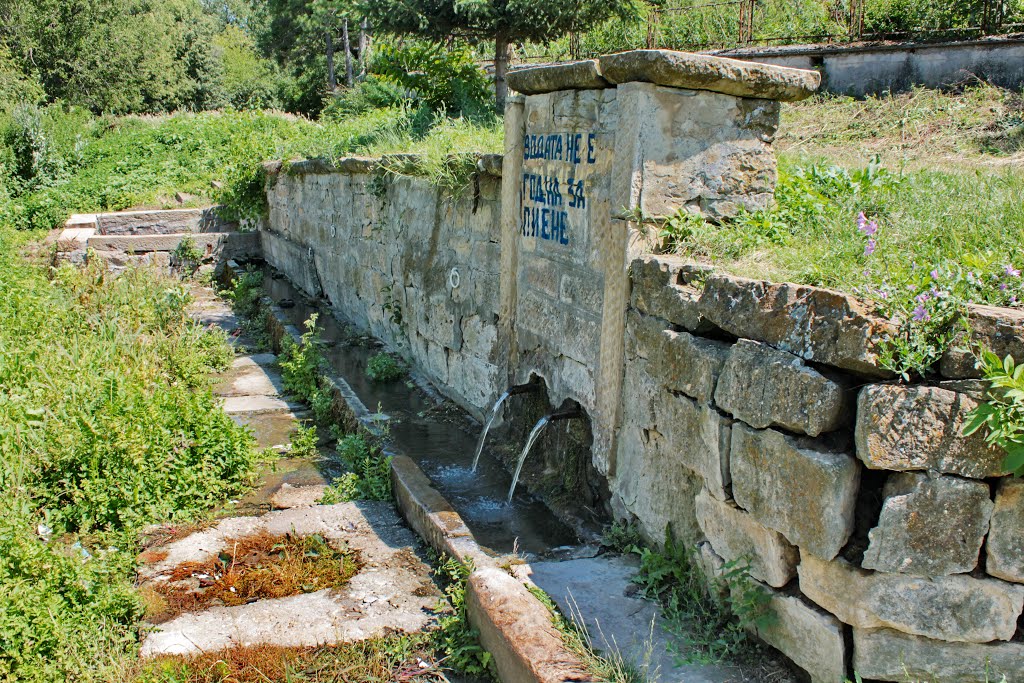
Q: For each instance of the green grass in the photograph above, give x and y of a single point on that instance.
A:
(66, 161)
(938, 172)
(107, 424)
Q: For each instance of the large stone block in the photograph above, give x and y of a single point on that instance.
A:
(704, 72)
(921, 428)
(682, 362)
(734, 534)
(955, 608)
(930, 526)
(887, 655)
(663, 441)
(816, 324)
(658, 290)
(999, 329)
(1005, 545)
(703, 152)
(812, 639)
(766, 387)
(807, 495)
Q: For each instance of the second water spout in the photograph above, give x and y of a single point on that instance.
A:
(534, 435)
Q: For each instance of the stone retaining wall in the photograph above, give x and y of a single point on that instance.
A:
(400, 258)
(758, 423)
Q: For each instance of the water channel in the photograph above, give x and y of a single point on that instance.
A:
(440, 437)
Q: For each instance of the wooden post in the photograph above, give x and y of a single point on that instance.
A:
(500, 68)
(332, 82)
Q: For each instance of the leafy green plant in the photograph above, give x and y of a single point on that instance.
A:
(303, 443)
(187, 256)
(1002, 415)
(710, 614)
(454, 636)
(301, 362)
(382, 367)
(392, 306)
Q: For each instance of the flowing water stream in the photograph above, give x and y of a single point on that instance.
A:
(440, 438)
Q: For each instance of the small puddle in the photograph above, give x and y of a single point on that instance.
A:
(440, 439)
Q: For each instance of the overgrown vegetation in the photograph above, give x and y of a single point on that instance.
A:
(368, 472)
(711, 611)
(921, 244)
(107, 424)
(454, 636)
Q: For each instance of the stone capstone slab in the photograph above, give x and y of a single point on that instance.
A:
(816, 324)
(1005, 547)
(516, 629)
(811, 638)
(930, 525)
(735, 535)
(766, 387)
(703, 72)
(534, 80)
(999, 329)
(805, 493)
(288, 496)
(921, 428)
(888, 655)
(954, 608)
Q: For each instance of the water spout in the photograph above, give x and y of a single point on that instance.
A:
(567, 414)
(521, 389)
(534, 435)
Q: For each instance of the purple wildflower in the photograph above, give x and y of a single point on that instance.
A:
(861, 221)
(869, 248)
(1011, 271)
(1003, 287)
(920, 314)
(935, 274)
(921, 298)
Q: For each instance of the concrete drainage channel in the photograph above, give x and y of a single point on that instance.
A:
(514, 625)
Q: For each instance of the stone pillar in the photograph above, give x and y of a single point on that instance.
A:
(603, 147)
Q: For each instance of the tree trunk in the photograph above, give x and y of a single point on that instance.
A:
(348, 54)
(364, 47)
(332, 83)
(500, 69)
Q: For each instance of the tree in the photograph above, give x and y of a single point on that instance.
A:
(501, 21)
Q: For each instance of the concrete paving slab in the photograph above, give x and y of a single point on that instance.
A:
(599, 590)
(249, 380)
(258, 404)
(392, 591)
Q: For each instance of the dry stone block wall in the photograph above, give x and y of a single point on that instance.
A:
(889, 542)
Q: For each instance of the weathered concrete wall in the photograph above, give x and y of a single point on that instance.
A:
(400, 258)
(873, 70)
(758, 423)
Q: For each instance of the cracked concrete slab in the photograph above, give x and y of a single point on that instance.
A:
(392, 591)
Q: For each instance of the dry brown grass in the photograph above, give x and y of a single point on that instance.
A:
(378, 660)
(250, 568)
